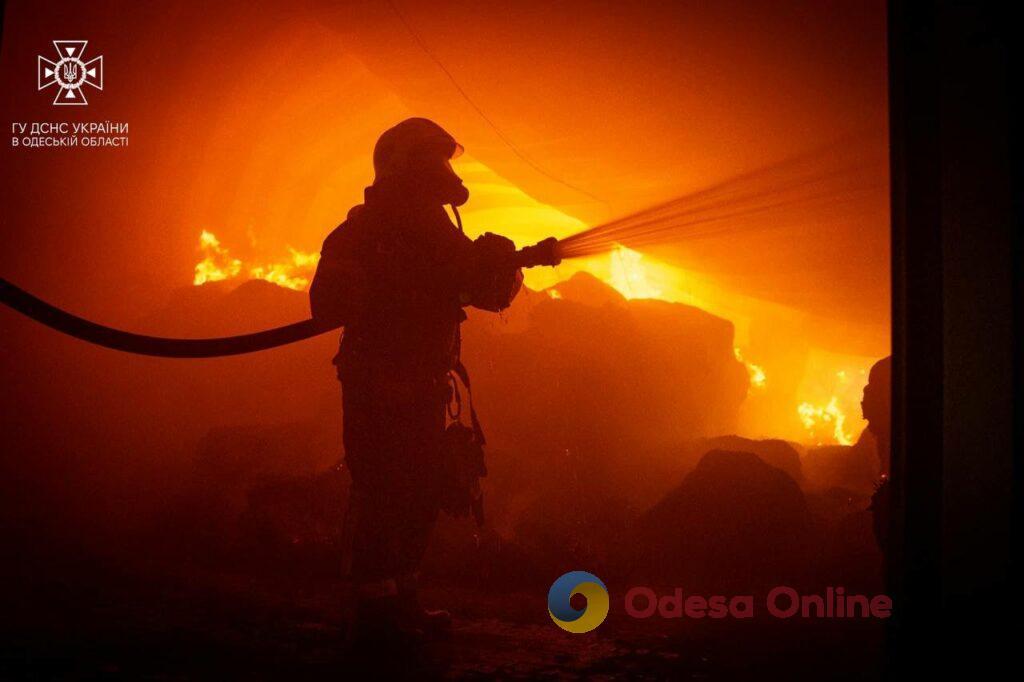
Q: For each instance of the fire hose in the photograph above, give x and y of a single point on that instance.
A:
(16, 298)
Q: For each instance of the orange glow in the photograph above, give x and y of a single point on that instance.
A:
(832, 414)
(255, 125)
(218, 264)
(826, 405)
(629, 275)
(816, 418)
(758, 380)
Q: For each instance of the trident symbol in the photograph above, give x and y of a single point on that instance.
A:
(69, 73)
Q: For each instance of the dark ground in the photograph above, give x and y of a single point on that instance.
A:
(69, 618)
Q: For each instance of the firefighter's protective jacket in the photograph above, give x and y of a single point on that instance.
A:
(397, 273)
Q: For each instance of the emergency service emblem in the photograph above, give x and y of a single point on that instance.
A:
(69, 73)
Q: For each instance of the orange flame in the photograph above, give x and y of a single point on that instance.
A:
(816, 416)
(758, 380)
(218, 264)
(837, 417)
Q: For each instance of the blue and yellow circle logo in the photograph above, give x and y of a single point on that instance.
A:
(578, 620)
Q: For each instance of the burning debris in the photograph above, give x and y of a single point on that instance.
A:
(833, 416)
(816, 418)
(828, 411)
(218, 265)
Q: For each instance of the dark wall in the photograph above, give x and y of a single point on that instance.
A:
(956, 284)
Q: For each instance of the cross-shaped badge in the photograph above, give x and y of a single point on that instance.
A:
(70, 73)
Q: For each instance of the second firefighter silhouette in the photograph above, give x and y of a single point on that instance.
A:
(398, 273)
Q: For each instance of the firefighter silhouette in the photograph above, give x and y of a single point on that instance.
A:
(397, 274)
(876, 407)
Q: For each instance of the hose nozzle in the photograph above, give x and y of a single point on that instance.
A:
(542, 253)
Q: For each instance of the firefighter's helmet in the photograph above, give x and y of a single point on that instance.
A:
(410, 146)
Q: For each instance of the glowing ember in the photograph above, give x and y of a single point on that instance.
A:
(554, 293)
(629, 275)
(816, 417)
(218, 264)
(756, 372)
